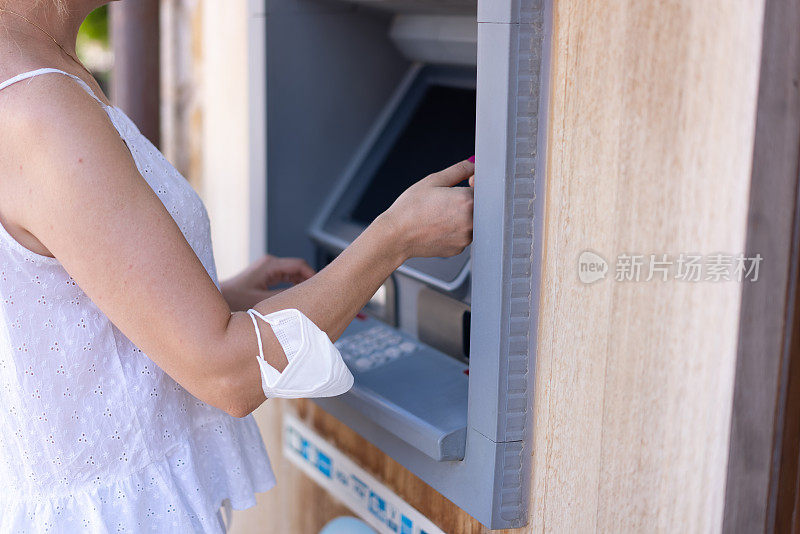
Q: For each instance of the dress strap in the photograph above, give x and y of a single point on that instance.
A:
(39, 72)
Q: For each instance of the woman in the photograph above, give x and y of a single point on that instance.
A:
(126, 374)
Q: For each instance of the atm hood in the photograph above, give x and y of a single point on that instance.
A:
(433, 7)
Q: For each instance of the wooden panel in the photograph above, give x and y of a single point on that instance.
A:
(786, 477)
(225, 148)
(652, 120)
(765, 305)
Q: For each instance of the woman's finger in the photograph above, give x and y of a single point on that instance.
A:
(299, 266)
(451, 176)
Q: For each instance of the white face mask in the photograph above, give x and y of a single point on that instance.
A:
(315, 369)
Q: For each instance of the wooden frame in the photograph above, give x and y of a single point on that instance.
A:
(135, 86)
(762, 464)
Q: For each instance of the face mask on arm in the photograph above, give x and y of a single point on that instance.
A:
(315, 369)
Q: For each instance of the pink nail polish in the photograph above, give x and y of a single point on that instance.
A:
(472, 159)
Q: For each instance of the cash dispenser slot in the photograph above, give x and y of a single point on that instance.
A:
(407, 351)
(444, 322)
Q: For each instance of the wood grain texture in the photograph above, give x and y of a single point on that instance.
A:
(651, 134)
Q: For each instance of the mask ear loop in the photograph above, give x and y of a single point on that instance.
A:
(253, 315)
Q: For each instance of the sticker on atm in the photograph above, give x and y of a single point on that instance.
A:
(345, 481)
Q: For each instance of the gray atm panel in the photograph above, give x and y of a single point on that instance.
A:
(330, 70)
(406, 387)
(419, 395)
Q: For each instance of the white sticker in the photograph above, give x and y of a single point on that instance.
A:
(348, 483)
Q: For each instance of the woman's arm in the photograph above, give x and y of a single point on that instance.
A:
(70, 181)
(331, 299)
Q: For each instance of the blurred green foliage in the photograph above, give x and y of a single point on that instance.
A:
(94, 46)
(95, 27)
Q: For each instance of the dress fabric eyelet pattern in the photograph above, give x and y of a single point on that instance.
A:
(95, 437)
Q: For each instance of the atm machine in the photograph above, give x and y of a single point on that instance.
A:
(353, 102)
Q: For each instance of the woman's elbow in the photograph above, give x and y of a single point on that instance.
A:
(239, 399)
(239, 411)
(232, 381)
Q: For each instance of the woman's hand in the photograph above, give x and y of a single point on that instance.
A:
(258, 281)
(434, 218)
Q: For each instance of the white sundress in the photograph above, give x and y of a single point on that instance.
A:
(94, 436)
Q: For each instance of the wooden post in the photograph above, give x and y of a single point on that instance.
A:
(651, 135)
(181, 87)
(135, 85)
(762, 463)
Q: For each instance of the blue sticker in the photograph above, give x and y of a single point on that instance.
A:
(377, 503)
(377, 507)
(359, 487)
(323, 464)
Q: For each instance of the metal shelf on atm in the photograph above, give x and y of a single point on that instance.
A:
(406, 387)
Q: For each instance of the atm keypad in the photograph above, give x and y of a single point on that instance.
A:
(374, 347)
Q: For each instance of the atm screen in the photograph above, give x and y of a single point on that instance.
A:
(440, 132)
(428, 125)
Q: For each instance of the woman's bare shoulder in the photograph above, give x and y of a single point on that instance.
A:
(55, 110)
(49, 127)
(47, 93)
